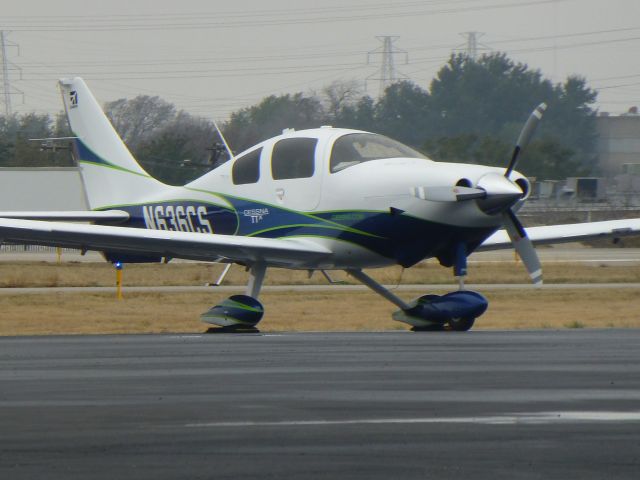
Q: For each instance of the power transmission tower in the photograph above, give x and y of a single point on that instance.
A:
(7, 66)
(387, 74)
(471, 47)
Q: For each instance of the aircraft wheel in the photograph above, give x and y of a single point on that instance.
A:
(234, 329)
(461, 324)
(429, 328)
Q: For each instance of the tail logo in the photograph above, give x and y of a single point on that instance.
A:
(73, 99)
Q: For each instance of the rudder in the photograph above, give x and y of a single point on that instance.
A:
(111, 175)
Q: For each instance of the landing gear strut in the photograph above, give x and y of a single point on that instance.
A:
(239, 313)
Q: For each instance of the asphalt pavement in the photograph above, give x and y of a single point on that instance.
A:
(394, 405)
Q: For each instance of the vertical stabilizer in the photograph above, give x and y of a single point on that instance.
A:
(110, 173)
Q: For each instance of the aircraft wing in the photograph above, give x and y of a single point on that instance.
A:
(69, 216)
(566, 233)
(138, 241)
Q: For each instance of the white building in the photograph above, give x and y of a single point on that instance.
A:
(50, 188)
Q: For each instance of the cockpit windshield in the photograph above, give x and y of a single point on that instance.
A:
(355, 148)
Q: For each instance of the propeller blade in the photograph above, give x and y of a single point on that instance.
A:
(447, 194)
(523, 246)
(525, 136)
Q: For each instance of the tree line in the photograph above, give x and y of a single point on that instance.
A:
(471, 112)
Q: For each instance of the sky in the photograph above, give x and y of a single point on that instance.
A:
(211, 58)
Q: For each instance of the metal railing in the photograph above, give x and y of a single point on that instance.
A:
(15, 248)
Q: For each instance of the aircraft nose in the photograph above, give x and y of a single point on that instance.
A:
(501, 193)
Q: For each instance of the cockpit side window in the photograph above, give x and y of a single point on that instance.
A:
(246, 168)
(293, 158)
(356, 148)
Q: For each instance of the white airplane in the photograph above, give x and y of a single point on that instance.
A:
(320, 199)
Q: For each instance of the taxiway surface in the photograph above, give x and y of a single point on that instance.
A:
(545, 404)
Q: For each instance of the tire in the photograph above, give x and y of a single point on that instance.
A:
(461, 324)
(429, 328)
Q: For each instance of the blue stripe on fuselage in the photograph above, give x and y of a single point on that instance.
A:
(182, 216)
(405, 239)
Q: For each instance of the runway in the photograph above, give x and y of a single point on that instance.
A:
(482, 405)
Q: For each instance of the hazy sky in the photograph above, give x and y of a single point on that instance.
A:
(213, 57)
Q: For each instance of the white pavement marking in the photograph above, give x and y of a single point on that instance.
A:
(539, 418)
(566, 260)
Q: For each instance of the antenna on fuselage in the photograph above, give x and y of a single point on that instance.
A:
(224, 141)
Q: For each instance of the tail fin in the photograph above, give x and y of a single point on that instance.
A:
(110, 174)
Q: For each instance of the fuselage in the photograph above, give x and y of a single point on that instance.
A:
(354, 192)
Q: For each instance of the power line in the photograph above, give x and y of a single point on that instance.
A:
(227, 14)
(221, 23)
(165, 64)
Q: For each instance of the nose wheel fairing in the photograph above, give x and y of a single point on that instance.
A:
(456, 309)
(240, 312)
(237, 311)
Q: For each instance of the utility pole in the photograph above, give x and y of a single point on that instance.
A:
(6, 81)
(387, 74)
(7, 65)
(472, 46)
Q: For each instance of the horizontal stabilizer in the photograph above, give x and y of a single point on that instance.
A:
(51, 139)
(70, 216)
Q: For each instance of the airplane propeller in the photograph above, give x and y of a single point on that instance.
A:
(497, 194)
(514, 228)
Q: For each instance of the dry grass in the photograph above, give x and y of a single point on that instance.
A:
(43, 274)
(340, 311)
(77, 313)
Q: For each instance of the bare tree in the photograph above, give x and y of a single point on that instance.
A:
(136, 120)
(340, 94)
